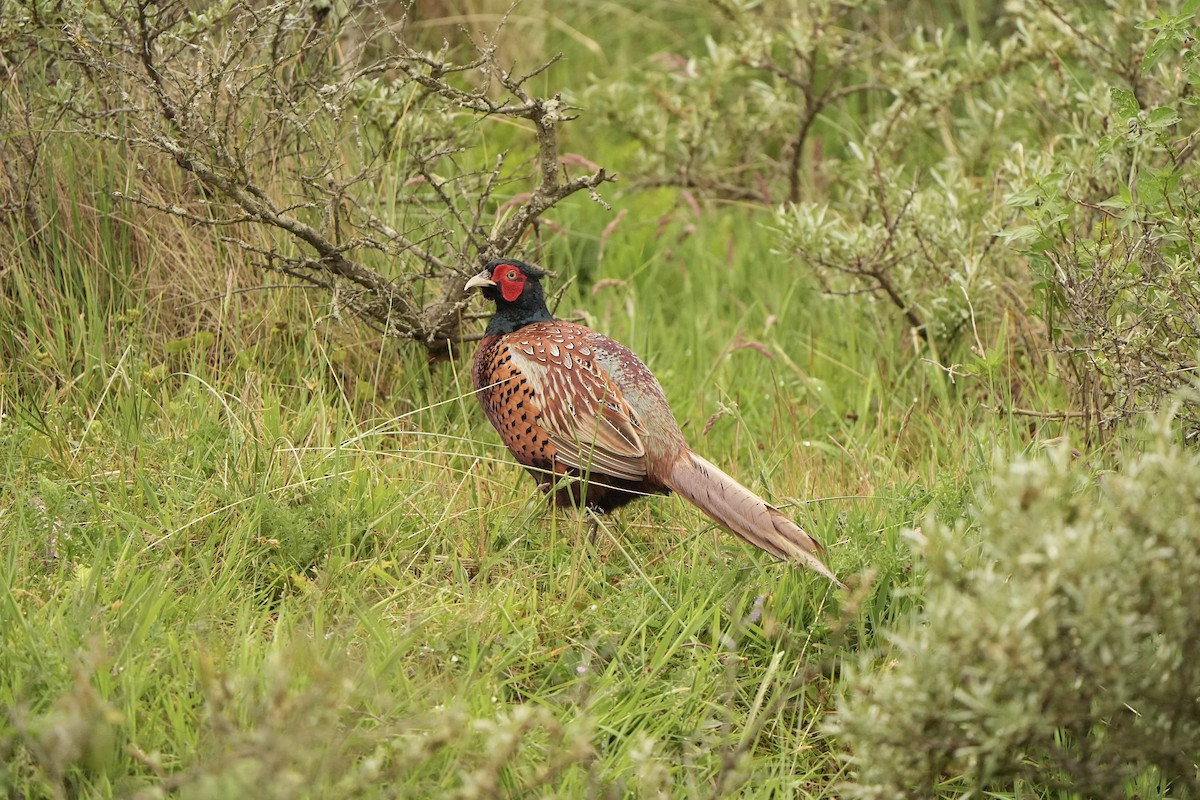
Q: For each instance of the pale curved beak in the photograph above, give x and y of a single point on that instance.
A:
(480, 281)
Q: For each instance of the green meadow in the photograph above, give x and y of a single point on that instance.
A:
(253, 548)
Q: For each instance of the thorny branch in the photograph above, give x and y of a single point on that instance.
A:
(262, 105)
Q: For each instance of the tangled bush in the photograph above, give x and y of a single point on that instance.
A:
(960, 172)
(1111, 234)
(1057, 648)
(873, 136)
(319, 142)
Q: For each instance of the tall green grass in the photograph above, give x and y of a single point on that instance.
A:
(226, 574)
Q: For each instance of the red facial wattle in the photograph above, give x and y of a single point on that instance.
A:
(511, 281)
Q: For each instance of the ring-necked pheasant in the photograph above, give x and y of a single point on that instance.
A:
(571, 403)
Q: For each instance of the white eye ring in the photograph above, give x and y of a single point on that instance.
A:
(511, 276)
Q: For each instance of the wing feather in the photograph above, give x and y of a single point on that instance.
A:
(582, 409)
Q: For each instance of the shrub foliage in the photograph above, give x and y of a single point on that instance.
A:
(1057, 646)
(1035, 166)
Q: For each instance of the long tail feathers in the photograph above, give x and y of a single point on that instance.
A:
(743, 512)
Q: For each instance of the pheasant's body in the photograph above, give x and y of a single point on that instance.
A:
(589, 420)
(570, 401)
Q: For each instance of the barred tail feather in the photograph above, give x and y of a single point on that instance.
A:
(743, 512)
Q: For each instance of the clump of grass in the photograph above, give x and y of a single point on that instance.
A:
(230, 575)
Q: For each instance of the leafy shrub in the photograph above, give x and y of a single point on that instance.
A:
(873, 139)
(893, 147)
(1057, 647)
(1111, 233)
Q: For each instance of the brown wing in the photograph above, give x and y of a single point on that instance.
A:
(582, 410)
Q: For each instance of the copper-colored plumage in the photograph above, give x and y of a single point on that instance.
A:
(589, 421)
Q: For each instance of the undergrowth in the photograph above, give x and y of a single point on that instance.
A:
(250, 546)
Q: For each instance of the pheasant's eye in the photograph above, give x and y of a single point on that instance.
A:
(511, 275)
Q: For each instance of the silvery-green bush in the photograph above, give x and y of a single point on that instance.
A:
(1016, 174)
(1058, 646)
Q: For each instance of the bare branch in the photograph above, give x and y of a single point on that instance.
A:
(344, 156)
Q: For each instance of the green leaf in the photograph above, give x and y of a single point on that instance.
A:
(1158, 22)
(1020, 234)
(1155, 51)
(1115, 202)
(1125, 103)
(1024, 199)
(1162, 117)
(1150, 188)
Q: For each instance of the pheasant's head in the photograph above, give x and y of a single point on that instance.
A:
(516, 289)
